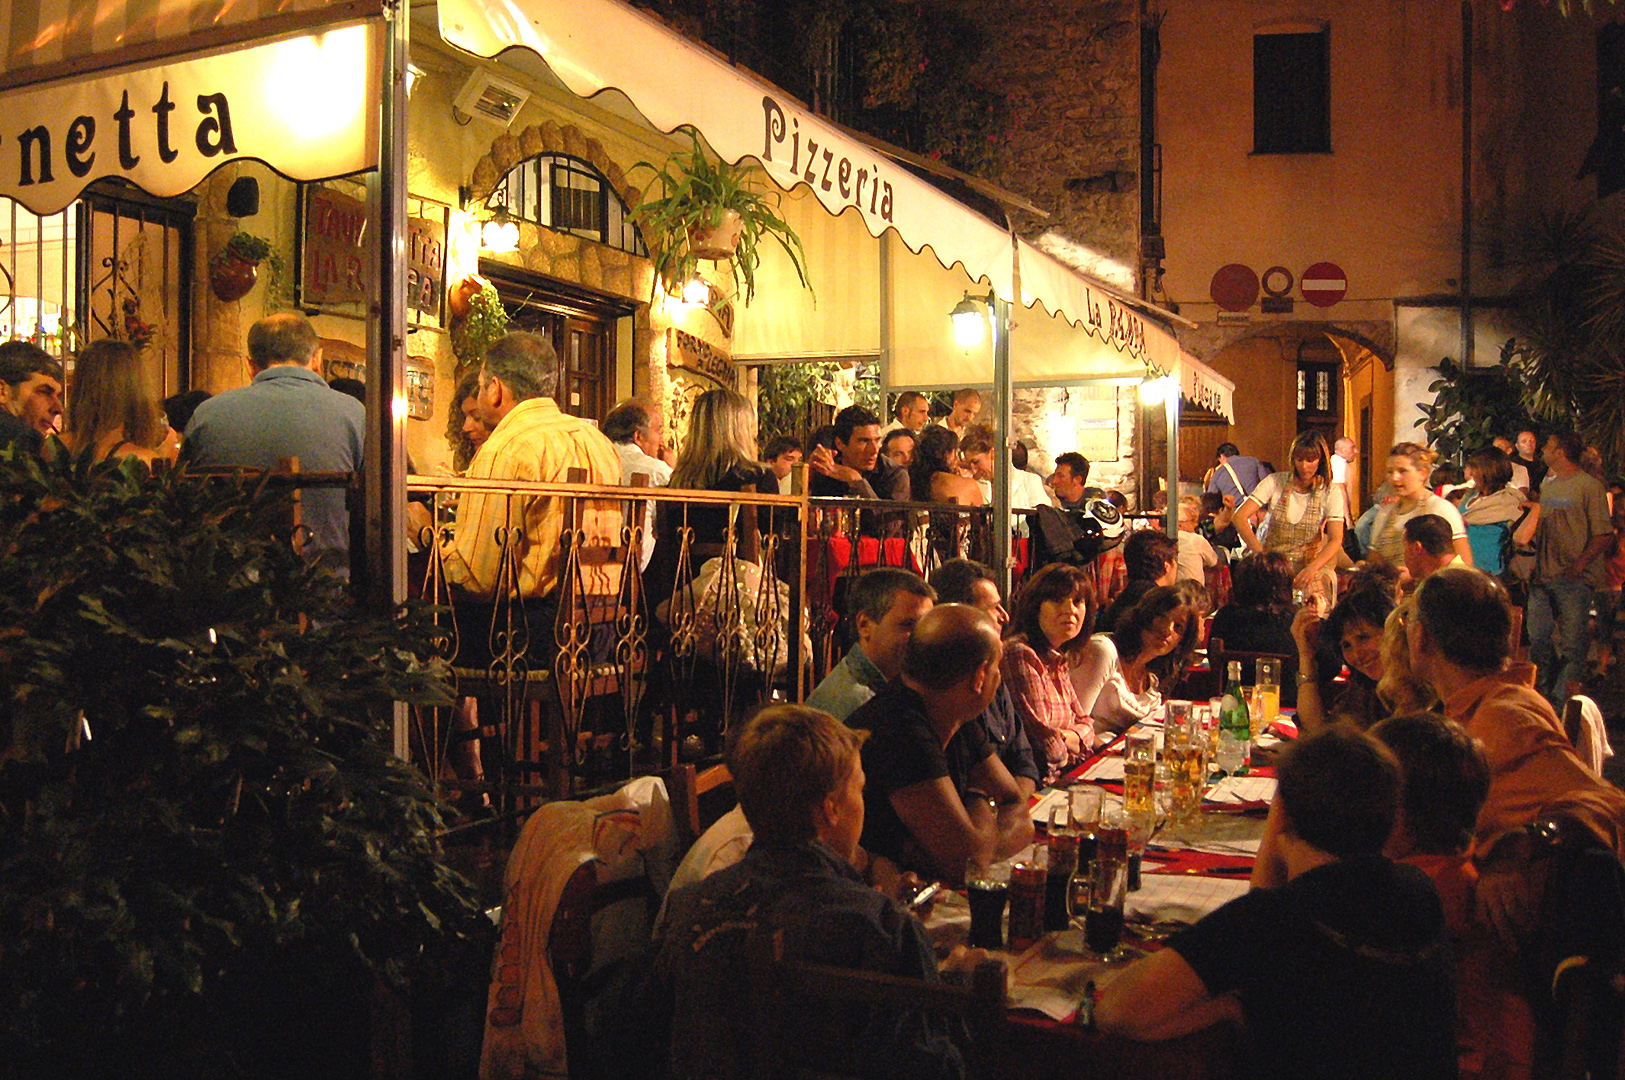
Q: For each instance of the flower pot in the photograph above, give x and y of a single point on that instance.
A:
(461, 295)
(718, 243)
(231, 277)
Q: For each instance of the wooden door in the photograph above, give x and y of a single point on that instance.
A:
(580, 327)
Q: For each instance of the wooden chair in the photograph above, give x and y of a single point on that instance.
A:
(687, 786)
(1219, 659)
(781, 985)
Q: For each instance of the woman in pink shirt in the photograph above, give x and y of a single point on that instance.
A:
(1054, 612)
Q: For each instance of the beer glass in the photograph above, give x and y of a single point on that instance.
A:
(1139, 774)
(1269, 692)
(988, 887)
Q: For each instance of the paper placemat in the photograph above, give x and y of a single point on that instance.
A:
(1182, 898)
(1243, 789)
(1107, 768)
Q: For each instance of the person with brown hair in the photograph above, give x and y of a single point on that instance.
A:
(1304, 515)
(112, 409)
(800, 779)
(1118, 675)
(1054, 612)
(1336, 962)
(465, 431)
(1459, 644)
(30, 395)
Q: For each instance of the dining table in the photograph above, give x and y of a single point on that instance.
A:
(1188, 869)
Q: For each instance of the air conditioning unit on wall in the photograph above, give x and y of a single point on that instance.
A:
(487, 97)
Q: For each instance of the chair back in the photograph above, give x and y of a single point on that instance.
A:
(1575, 965)
(691, 813)
(781, 984)
(1219, 658)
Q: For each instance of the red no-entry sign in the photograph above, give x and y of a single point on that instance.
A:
(1324, 284)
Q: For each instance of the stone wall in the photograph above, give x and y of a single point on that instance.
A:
(1038, 417)
(1070, 71)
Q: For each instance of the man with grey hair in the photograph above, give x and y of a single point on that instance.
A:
(638, 431)
(531, 440)
(287, 411)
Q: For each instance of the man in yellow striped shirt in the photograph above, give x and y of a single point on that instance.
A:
(531, 440)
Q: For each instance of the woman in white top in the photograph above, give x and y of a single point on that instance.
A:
(1408, 466)
(1304, 515)
(1118, 676)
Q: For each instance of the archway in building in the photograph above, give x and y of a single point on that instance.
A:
(1294, 377)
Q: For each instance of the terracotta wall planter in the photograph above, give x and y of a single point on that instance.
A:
(230, 277)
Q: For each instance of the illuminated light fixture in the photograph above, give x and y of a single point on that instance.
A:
(500, 233)
(970, 321)
(413, 74)
(1154, 388)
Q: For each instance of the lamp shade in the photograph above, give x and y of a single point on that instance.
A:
(970, 322)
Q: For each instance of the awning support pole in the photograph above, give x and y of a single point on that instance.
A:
(384, 473)
(1170, 407)
(1003, 400)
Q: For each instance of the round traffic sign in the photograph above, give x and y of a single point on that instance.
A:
(1234, 287)
(1324, 284)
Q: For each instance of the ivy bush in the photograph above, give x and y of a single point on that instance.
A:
(199, 809)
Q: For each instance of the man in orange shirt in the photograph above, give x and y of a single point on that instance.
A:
(1458, 639)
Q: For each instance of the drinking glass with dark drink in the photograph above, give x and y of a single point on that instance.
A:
(1063, 864)
(988, 887)
(1103, 921)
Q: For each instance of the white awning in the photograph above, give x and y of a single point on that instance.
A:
(595, 45)
(52, 39)
(306, 106)
(1095, 333)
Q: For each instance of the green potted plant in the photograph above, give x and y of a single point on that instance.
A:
(211, 857)
(712, 211)
(483, 320)
(234, 270)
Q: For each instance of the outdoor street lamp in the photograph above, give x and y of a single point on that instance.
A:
(970, 319)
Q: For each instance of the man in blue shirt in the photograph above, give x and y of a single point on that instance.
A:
(885, 605)
(288, 411)
(1235, 475)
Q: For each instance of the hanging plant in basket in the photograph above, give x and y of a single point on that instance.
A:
(712, 211)
(483, 320)
(233, 272)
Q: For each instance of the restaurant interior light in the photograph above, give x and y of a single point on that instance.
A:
(970, 321)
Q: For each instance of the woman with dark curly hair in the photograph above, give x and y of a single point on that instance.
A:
(1119, 675)
(1350, 636)
(465, 431)
(1054, 611)
(1259, 615)
(934, 475)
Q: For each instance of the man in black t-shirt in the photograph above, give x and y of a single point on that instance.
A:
(925, 809)
(1339, 971)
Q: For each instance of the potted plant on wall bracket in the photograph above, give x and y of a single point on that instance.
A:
(482, 320)
(234, 270)
(712, 211)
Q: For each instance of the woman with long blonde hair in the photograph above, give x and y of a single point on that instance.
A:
(1303, 513)
(718, 454)
(112, 409)
(721, 440)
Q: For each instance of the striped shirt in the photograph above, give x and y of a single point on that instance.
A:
(538, 443)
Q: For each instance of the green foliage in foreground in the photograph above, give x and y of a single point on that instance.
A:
(196, 785)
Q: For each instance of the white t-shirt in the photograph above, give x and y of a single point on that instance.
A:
(1340, 469)
(1195, 556)
(1520, 477)
(1027, 490)
(1105, 694)
(1333, 498)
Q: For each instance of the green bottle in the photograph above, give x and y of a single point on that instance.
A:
(1233, 717)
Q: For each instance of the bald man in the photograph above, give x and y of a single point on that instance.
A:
(926, 810)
